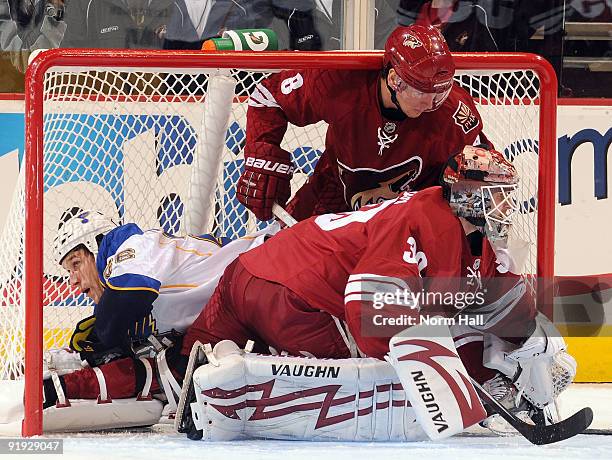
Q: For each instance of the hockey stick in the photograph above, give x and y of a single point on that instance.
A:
(183, 422)
(282, 215)
(540, 434)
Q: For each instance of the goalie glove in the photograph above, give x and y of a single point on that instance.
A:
(265, 181)
(540, 369)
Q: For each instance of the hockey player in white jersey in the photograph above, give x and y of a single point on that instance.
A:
(147, 287)
(142, 282)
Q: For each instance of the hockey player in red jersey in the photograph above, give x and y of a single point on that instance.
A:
(315, 289)
(286, 291)
(389, 131)
(295, 292)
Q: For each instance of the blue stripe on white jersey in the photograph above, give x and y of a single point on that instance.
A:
(182, 270)
(133, 281)
(220, 240)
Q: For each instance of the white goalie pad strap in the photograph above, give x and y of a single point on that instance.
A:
(435, 380)
(81, 415)
(103, 397)
(243, 395)
(61, 397)
(146, 389)
(172, 389)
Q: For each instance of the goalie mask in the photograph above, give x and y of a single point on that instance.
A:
(480, 186)
(85, 229)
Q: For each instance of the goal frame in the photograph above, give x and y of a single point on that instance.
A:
(141, 59)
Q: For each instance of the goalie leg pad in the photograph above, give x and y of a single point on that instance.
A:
(435, 380)
(80, 415)
(242, 395)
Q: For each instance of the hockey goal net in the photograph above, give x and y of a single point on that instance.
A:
(118, 132)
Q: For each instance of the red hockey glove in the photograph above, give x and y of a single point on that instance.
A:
(264, 181)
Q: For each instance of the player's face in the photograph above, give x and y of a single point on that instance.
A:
(81, 265)
(412, 101)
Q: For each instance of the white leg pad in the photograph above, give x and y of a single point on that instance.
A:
(435, 380)
(242, 395)
(81, 415)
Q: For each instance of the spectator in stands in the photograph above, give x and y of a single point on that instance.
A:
(27, 25)
(484, 25)
(117, 23)
(197, 20)
(466, 25)
(493, 25)
(330, 14)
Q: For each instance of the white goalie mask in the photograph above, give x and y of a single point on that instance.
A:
(480, 185)
(82, 229)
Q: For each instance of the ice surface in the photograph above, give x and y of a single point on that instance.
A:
(162, 443)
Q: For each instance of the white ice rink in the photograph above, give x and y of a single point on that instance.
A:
(161, 443)
(160, 446)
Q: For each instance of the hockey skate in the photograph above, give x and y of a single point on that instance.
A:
(505, 393)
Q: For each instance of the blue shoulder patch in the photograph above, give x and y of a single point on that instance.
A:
(111, 242)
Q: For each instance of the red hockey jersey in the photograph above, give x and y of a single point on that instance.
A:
(338, 263)
(368, 158)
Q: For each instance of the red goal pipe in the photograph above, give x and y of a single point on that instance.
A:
(34, 97)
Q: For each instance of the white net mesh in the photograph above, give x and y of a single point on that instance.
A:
(121, 142)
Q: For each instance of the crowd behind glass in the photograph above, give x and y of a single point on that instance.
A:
(574, 35)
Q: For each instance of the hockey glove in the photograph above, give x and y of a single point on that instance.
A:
(264, 181)
(85, 341)
(79, 340)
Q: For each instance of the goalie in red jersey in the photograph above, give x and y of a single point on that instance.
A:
(312, 291)
(359, 284)
(389, 131)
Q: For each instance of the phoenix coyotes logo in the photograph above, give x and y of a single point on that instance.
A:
(388, 189)
(412, 42)
(465, 118)
(474, 278)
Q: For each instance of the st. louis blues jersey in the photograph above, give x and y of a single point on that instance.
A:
(182, 271)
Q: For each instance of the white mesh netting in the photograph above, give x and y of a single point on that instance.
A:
(122, 142)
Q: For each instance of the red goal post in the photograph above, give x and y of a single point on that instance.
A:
(518, 86)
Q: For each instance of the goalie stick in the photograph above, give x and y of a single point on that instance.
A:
(538, 434)
(183, 422)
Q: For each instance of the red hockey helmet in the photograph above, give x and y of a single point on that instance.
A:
(421, 59)
(480, 185)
